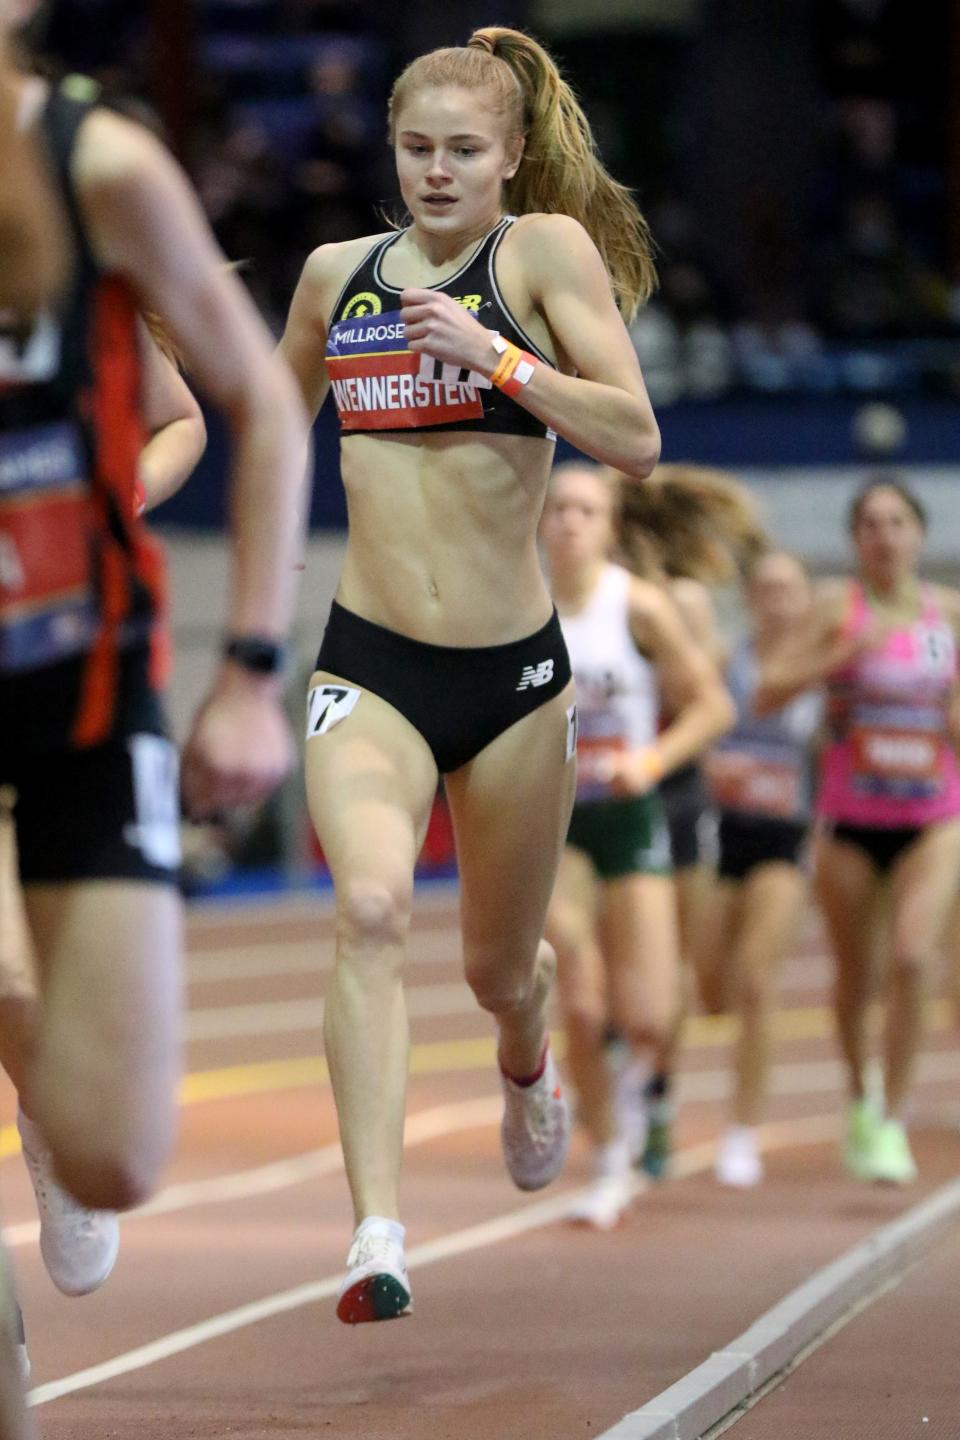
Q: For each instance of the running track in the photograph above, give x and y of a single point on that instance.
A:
(218, 1319)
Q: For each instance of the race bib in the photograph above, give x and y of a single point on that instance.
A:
(47, 605)
(754, 784)
(378, 384)
(904, 755)
(596, 755)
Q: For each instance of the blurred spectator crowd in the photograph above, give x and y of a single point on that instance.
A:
(867, 302)
(287, 147)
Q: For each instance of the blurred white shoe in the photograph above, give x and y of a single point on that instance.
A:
(738, 1160)
(631, 1106)
(607, 1199)
(79, 1246)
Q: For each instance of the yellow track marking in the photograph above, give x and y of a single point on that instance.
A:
(448, 1056)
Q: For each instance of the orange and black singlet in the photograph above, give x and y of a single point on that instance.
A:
(379, 386)
(82, 584)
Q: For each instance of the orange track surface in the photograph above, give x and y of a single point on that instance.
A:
(549, 1332)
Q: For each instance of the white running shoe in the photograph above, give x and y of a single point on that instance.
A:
(376, 1286)
(631, 1106)
(535, 1131)
(605, 1202)
(738, 1160)
(79, 1246)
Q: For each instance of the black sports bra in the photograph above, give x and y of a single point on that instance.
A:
(379, 386)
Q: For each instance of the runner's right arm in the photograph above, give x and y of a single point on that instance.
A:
(146, 225)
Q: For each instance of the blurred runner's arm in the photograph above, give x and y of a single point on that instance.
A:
(178, 434)
(146, 225)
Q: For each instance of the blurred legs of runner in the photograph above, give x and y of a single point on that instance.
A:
(102, 1086)
(922, 885)
(746, 930)
(616, 944)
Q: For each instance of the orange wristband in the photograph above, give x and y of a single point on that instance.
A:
(514, 369)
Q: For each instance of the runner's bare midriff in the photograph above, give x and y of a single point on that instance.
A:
(443, 535)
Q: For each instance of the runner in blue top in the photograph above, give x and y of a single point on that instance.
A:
(761, 781)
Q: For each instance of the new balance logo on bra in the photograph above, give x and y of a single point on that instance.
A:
(536, 675)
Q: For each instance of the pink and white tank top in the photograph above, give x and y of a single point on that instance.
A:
(889, 762)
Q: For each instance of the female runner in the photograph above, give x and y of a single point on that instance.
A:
(886, 646)
(456, 347)
(692, 529)
(760, 780)
(80, 622)
(79, 1245)
(613, 918)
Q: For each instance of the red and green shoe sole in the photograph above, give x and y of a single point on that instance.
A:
(378, 1297)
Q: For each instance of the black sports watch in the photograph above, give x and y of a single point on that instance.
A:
(255, 653)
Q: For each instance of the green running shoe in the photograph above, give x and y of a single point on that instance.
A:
(655, 1160)
(863, 1123)
(891, 1162)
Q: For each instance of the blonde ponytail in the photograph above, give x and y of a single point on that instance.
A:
(561, 172)
(702, 523)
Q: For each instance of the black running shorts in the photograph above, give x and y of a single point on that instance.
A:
(460, 700)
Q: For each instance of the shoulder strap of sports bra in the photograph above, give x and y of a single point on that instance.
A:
(60, 121)
(369, 258)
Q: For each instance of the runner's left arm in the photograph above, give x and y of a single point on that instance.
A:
(603, 409)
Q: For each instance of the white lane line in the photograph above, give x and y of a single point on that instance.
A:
(421, 1127)
(432, 898)
(461, 1242)
(722, 1390)
(283, 1017)
(806, 1078)
(257, 961)
(810, 1078)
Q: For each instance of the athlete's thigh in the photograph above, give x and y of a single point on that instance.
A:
(17, 978)
(772, 895)
(923, 884)
(641, 944)
(511, 808)
(712, 947)
(371, 781)
(694, 884)
(109, 957)
(849, 895)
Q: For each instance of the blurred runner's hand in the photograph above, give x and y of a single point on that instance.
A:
(240, 747)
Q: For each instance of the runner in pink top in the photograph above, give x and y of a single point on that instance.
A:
(886, 648)
(890, 763)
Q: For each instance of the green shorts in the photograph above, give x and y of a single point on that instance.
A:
(622, 837)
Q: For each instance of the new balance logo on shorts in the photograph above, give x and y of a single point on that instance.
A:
(536, 675)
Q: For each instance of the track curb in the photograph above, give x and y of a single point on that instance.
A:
(731, 1377)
